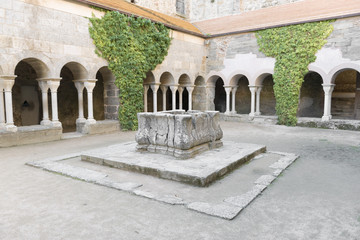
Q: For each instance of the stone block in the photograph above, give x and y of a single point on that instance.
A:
(179, 133)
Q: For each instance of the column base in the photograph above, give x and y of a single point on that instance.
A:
(233, 112)
(56, 124)
(251, 116)
(227, 112)
(80, 120)
(257, 113)
(45, 122)
(90, 121)
(11, 128)
(326, 118)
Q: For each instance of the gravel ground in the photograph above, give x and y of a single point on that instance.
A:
(317, 197)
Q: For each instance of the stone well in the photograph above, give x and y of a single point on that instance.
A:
(178, 133)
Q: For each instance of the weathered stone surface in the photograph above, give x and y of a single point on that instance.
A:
(178, 133)
(226, 211)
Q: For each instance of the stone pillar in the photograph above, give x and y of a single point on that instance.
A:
(173, 89)
(2, 108)
(89, 84)
(146, 89)
(227, 90)
(181, 90)
(164, 90)
(7, 83)
(253, 91)
(54, 84)
(155, 88)
(233, 98)
(44, 86)
(210, 95)
(328, 89)
(190, 90)
(79, 84)
(258, 91)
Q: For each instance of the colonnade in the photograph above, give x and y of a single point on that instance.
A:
(164, 88)
(6, 105)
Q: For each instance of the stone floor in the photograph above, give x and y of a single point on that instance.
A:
(317, 197)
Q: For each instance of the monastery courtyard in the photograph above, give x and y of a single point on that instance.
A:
(317, 197)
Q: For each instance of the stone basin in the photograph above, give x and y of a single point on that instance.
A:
(178, 133)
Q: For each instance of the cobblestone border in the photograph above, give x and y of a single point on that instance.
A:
(228, 209)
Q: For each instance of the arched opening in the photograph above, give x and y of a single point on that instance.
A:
(199, 94)
(184, 81)
(345, 97)
(26, 94)
(243, 96)
(105, 95)
(267, 96)
(311, 102)
(148, 81)
(166, 80)
(68, 96)
(98, 98)
(220, 96)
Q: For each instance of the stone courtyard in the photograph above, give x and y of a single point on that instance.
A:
(315, 198)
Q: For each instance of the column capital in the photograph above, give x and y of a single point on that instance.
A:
(7, 82)
(90, 85)
(174, 87)
(155, 87)
(44, 86)
(190, 88)
(180, 89)
(164, 88)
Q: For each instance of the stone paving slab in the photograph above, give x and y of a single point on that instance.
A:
(229, 206)
(201, 170)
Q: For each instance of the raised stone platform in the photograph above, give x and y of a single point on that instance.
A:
(201, 170)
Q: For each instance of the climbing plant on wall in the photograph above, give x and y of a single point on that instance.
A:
(132, 46)
(294, 48)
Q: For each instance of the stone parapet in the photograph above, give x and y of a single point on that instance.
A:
(179, 133)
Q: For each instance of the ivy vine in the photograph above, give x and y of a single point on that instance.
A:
(132, 46)
(294, 48)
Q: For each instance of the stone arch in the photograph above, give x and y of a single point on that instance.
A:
(261, 77)
(199, 94)
(343, 67)
(105, 95)
(212, 78)
(345, 99)
(220, 96)
(236, 75)
(311, 102)
(26, 93)
(68, 95)
(213, 95)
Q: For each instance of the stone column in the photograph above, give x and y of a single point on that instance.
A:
(190, 90)
(146, 89)
(258, 91)
(227, 90)
(89, 85)
(79, 84)
(2, 109)
(328, 89)
(54, 84)
(233, 98)
(44, 86)
(7, 84)
(173, 89)
(155, 88)
(164, 90)
(253, 91)
(210, 95)
(181, 90)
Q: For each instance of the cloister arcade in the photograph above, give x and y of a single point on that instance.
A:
(337, 97)
(40, 93)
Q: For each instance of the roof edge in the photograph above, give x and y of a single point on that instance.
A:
(130, 14)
